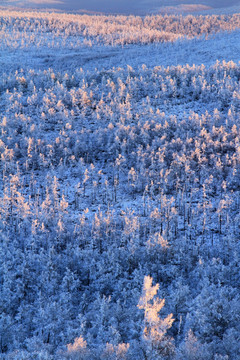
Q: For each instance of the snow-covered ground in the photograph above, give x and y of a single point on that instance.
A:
(222, 46)
(118, 162)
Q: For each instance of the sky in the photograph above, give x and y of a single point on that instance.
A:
(136, 7)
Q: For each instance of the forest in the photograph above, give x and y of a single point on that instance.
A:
(119, 189)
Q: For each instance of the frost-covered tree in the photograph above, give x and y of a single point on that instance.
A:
(192, 349)
(158, 344)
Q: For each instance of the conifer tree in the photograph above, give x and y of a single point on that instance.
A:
(159, 345)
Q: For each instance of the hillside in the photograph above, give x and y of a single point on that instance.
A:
(120, 165)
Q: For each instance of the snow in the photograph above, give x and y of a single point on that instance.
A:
(222, 46)
(119, 163)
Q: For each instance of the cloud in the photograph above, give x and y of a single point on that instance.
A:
(29, 2)
(182, 8)
(42, 2)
